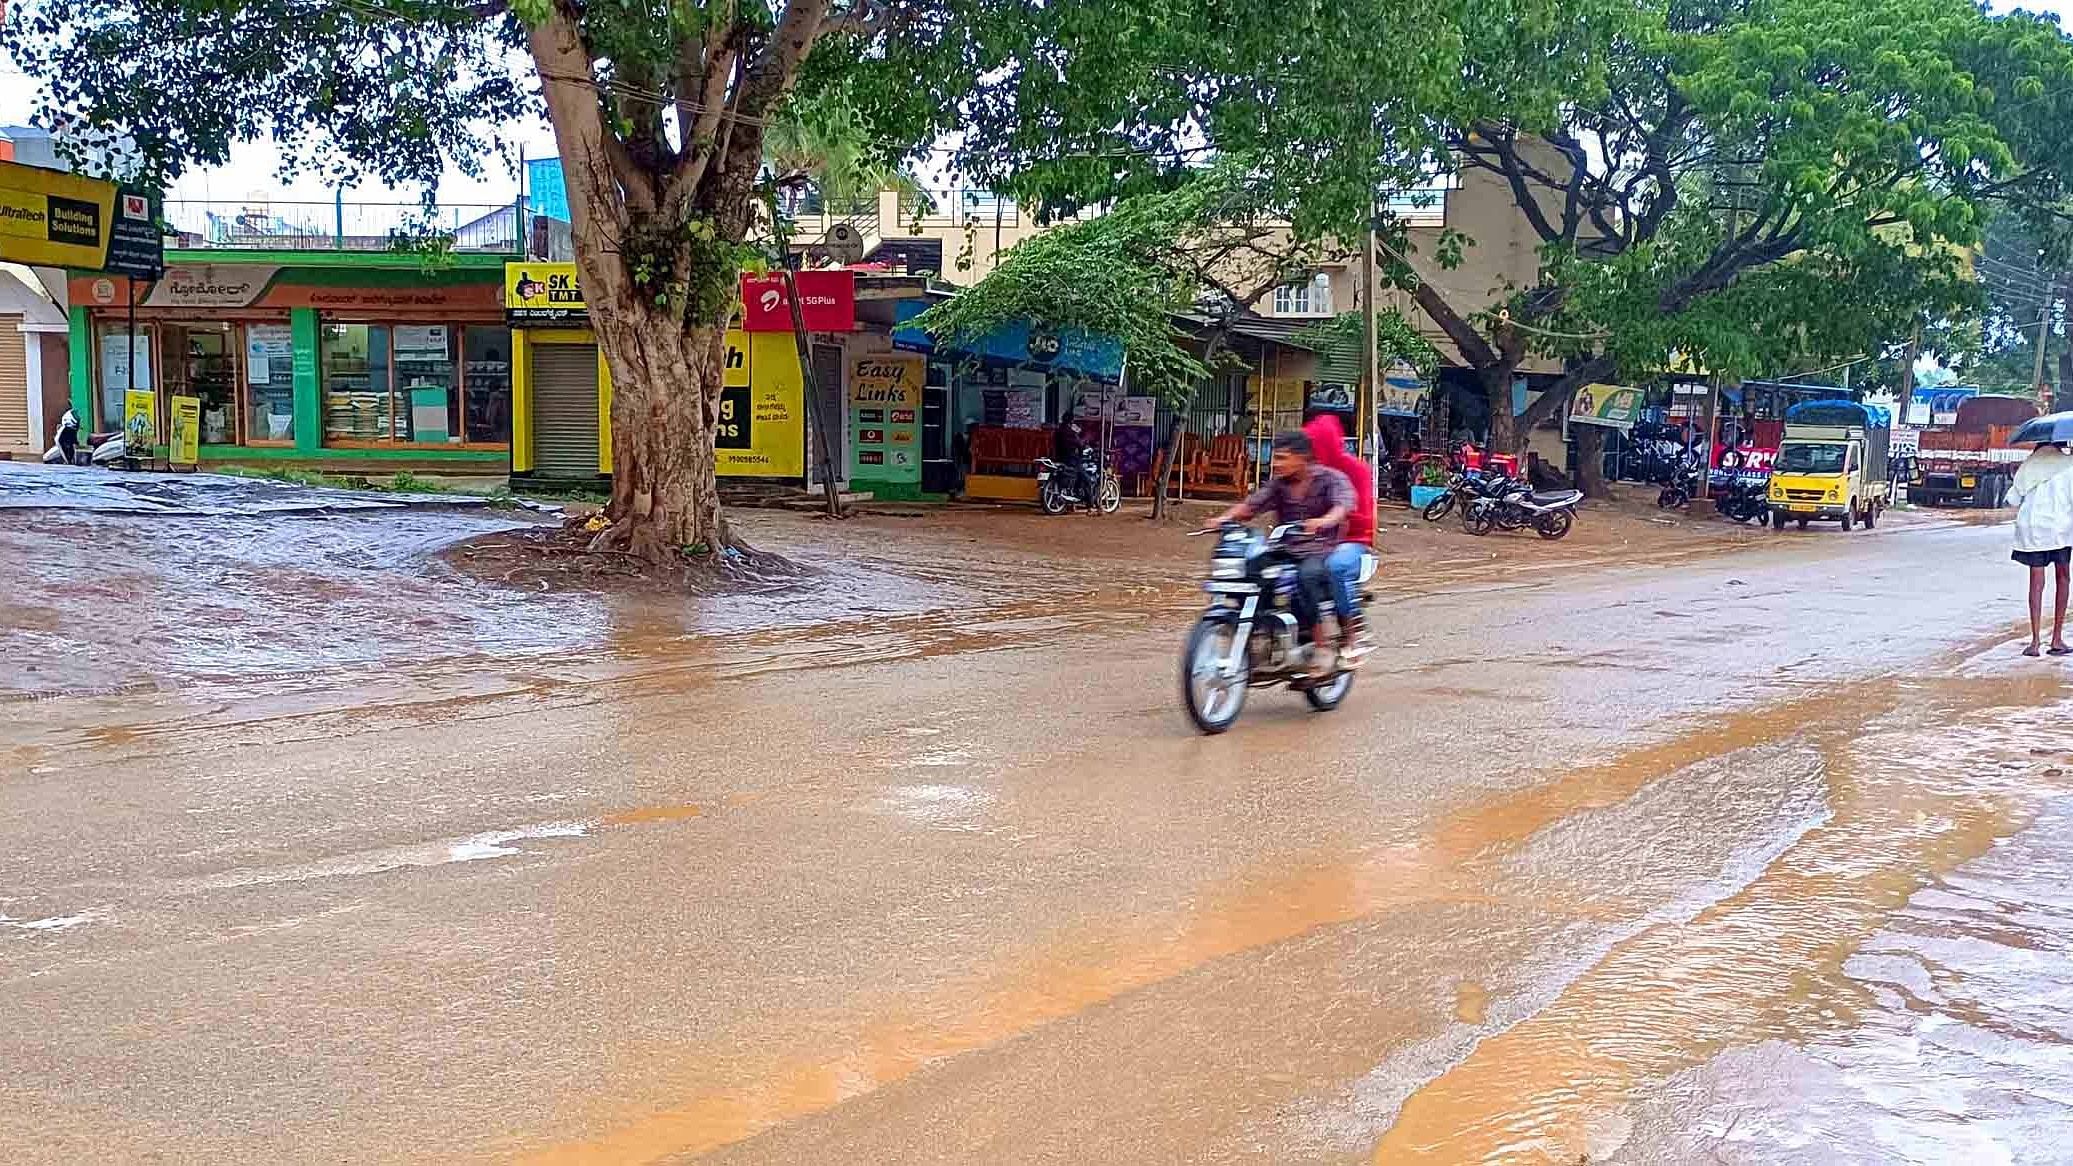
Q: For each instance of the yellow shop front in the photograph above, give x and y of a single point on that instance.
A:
(562, 390)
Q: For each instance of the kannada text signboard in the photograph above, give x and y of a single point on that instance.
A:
(49, 218)
(885, 417)
(543, 293)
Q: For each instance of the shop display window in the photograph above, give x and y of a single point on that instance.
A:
(358, 403)
(269, 384)
(201, 361)
(486, 368)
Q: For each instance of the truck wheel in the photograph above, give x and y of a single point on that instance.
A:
(1871, 516)
(1802, 523)
(1849, 519)
(1983, 494)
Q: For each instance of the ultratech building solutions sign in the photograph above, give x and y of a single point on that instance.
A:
(52, 219)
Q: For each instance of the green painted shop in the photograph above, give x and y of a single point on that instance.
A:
(331, 359)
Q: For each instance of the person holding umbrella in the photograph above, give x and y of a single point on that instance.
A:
(2043, 494)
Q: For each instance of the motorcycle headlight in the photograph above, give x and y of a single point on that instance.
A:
(1227, 568)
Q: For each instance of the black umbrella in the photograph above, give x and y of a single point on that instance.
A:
(2052, 427)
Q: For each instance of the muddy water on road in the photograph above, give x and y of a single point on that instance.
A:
(1884, 990)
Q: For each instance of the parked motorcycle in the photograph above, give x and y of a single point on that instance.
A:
(1683, 484)
(1518, 507)
(1061, 488)
(101, 449)
(1462, 488)
(1248, 637)
(1742, 496)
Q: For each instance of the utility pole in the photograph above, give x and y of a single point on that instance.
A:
(2037, 364)
(1371, 420)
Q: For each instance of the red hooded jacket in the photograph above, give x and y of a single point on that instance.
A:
(1328, 439)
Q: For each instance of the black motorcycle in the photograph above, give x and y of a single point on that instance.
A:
(1514, 505)
(1462, 488)
(1742, 495)
(1248, 637)
(1061, 488)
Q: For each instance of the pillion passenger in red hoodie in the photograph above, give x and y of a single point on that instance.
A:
(1328, 438)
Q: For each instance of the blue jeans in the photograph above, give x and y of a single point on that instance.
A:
(1344, 565)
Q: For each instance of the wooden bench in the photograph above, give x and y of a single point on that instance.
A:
(999, 451)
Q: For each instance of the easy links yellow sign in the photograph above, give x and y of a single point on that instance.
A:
(53, 219)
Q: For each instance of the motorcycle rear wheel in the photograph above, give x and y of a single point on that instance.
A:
(1672, 498)
(1554, 524)
(1439, 507)
(1052, 499)
(1212, 703)
(1477, 520)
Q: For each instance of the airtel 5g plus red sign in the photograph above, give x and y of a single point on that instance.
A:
(827, 300)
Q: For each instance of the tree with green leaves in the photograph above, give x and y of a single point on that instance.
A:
(1742, 186)
(660, 109)
(1213, 245)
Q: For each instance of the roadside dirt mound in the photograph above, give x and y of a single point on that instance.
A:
(559, 559)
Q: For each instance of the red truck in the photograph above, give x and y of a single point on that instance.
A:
(1970, 463)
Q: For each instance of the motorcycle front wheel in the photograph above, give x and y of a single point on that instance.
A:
(1672, 498)
(1110, 499)
(1439, 507)
(1554, 524)
(1051, 498)
(1213, 700)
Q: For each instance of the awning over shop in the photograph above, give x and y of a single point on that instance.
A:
(1018, 342)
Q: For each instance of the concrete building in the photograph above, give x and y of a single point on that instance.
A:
(34, 364)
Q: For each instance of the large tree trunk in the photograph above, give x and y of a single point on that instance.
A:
(666, 382)
(1590, 461)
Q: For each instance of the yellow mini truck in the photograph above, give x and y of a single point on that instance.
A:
(1831, 465)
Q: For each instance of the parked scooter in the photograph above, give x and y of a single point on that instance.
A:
(102, 449)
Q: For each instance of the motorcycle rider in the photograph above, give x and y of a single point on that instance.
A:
(1318, 499)
(1068, 449)
(1328, 438)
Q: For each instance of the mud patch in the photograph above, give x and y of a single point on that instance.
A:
(559, 560)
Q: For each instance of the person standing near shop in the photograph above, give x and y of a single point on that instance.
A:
(2043, 493)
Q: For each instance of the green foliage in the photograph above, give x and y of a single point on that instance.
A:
(1212, 244)
(1396, 339)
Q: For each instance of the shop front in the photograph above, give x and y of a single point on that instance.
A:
(563, 389)
(334, 360)
(998, 400)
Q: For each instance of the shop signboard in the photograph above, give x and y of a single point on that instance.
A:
(210, 285)
(827, 302)
(184, 443)
(1607, 405)
(49, 218)
(885, 417)
(543, 293)
(139, 423)
(762, 409)
(1402, 391)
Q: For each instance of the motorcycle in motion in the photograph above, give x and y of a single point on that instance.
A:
(1248, 638)
(101, 449)
(1062, 488)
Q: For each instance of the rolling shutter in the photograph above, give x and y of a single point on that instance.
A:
(14, 387)
(565, 410)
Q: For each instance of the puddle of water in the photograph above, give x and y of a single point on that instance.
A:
(54, 923)
(474, 848)
(1471, 1002)
(1768, 963)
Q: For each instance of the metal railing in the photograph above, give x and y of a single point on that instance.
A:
(264, 225)
(958, 208)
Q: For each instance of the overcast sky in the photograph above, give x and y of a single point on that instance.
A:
(251, 172)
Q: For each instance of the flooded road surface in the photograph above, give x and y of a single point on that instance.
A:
(1756, 857)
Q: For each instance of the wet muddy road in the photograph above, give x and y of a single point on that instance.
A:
(1759, 857)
